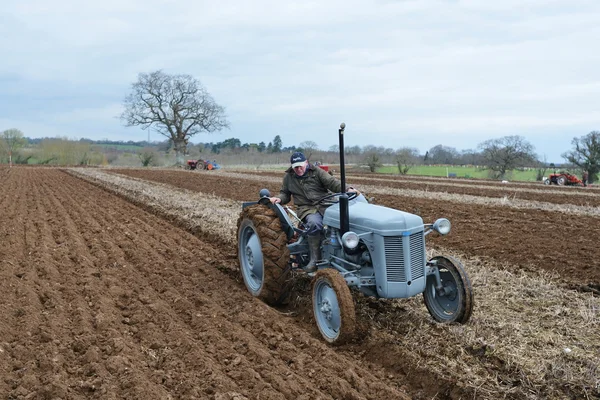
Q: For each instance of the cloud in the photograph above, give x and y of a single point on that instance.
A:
(86, 115)
(435, 72)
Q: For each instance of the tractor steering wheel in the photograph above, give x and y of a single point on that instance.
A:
(326, 199)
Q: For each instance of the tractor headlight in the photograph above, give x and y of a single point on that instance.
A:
(350, 240)
(442, 226)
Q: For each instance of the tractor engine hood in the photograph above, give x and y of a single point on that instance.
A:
(380, 220)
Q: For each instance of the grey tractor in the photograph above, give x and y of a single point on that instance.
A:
(376, 250)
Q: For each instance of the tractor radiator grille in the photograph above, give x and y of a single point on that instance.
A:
(394, 259)
(417, 255)
(394, 256)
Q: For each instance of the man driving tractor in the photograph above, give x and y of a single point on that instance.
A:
(308, 184)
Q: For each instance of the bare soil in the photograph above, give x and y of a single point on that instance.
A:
(575, 195)
(561, 243)
(103, 299)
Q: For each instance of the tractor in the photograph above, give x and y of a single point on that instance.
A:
(202, 164)
(563, 179)
(376, 250)
(194, 164)
(324, 167)
(320, 165)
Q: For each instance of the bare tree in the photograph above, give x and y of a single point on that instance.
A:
(442, 155)
(12, 140)
(586, 154)
(372, 161)
(176, 106)
(469, 157)
(352, 150)
(541, 169)
(405, 158)
(507, 153)
(308, 148)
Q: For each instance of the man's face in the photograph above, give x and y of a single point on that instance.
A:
(301, 169)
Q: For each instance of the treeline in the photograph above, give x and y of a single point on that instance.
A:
(439, 154)
(106, 142)
(498, 156)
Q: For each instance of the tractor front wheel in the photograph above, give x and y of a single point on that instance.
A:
(453, 301)
(333, 306)
(263, 254)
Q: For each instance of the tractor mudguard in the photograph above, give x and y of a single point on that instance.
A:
(286, 224)
(248, 204)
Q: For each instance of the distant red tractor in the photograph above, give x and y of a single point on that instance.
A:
(324, 167)
(202, 164)
(563, 179)
(193, 164)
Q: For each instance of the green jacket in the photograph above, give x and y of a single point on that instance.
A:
(308, 189)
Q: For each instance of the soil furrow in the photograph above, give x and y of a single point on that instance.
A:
(558, 242)
(115, 302)
(442, 348)
(129, 307)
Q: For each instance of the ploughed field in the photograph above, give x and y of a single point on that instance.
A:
(124, 284)
(563, 240)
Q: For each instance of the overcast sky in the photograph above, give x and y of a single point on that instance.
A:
(398, 73)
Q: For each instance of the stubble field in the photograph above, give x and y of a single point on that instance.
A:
(124, 284)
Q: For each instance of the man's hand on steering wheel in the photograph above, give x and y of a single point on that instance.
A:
(351, 193)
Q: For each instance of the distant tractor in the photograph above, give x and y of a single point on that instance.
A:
(563, 179)
(193, 164)
(323, 167)
(202, 164)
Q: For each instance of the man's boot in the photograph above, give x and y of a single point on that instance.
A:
(314, 245)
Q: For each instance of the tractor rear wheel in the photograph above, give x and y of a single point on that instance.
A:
(454, 301)
(263, 254)
(561, 180)
(333, 306)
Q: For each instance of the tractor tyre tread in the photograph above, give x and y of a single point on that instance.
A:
(345, 300)
(276, 256)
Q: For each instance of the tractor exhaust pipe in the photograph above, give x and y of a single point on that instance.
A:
(344, 213)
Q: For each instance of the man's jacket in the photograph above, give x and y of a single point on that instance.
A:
(308, 189)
